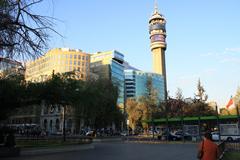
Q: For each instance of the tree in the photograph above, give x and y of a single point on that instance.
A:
(150, 99)
(133, 114)
(149, 103)
(106, 104)
(200, 95)
(236, 100)
(224, 111)
(22, 32)
(179, 94)
(237, 97)
(11, 95)
(96, 104)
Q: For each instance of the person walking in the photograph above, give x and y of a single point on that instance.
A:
(207, 149)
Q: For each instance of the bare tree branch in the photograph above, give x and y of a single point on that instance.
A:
(23, 33)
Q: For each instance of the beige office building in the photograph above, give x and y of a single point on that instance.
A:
(59, 60)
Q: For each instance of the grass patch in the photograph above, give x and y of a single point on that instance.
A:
(231, 156)
(48, 143)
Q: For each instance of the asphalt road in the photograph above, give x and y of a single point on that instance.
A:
(124, 151)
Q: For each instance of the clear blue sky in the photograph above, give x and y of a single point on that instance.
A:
(203, 38)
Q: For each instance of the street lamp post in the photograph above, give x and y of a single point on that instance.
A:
(238, 116)
(153, 128)
(64, 120)
(216, 108)
(199, 119)
(182, 122)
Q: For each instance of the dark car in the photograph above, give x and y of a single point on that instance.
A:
(180, 134)
(174, 136)
(168, 136)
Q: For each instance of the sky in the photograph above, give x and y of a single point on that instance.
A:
(203, 38)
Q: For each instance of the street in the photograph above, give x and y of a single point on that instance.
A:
(124, 151)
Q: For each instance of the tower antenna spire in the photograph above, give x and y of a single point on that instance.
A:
(155, 7)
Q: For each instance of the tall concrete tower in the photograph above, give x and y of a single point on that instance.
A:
(157, 33)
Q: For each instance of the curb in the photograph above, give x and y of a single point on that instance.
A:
(99, 140)
(157, 142)
(31, 152)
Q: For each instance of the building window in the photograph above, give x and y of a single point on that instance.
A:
(69, 124)
(70, 56)
(79, 63)
(79, 56)
(57, 124)
(75, 62)
(45, 124)
(83, 57)
(70, 62)
(50, 125)
(75, 56)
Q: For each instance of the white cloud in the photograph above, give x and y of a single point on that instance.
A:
(226, 51)
(228, 55)
(230, 60)
(209, 71)
(187, 77)
(209, 54)
(232, 49)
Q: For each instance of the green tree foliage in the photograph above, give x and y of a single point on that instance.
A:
(177, 107)
(199, 106)
(174, 106)
(101, 103)
(95, 102)
(11, 95)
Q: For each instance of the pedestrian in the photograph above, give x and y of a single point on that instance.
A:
(10, 140)
(1, 137)
(207, 149)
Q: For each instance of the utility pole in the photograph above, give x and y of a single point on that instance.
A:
(64, 119)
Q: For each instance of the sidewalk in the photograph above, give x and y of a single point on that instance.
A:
(67, 148)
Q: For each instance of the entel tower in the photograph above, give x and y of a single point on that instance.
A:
(157, 31)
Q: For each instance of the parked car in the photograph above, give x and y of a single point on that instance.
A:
(215, 137)
(91, 133)
(124, 133)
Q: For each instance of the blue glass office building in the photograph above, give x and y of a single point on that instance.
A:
(109, 65)
(135, 83)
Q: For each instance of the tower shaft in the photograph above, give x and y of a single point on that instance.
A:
(158, 55)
